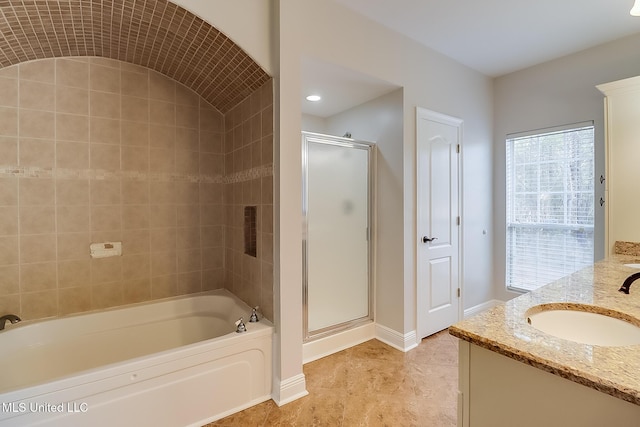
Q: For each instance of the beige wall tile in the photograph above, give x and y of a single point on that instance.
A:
(74, 300)
(9, 223)
(37, 96)
(135, 133)
(37, 276)
(187, 139)
(105, 192)
(188, 117)
(8, 151)
(38, 305)
(162, 113)
(162, 160)
(187, 162)
(136, 242)
(135, 158)
(72, 192)
(103, 104)
(212, 236)
(39, 71)
(136, 290)
(189, 260)
(211, 142)
(9, 91)
(72, 73)
(189, 283)
(10, 283)
(162, 216)
(161, 88)
(8, 191)
(8, 121)
(135, 83)
(162, 192)
(37, 220)
(72, 127)
(106, 157)
(37, 153)
(72, 100)
(106, 295)
(106, 270)
(135, 192)
(36, 192)
(163, 239)
(106, 218)
(188, 216)
(187, 193)
(10, 71)
(73, 218)
(37, 124)
(135, 109)
(135, 217)
(104, 79)
(136, 266)
(72, 155)
(74, 273)
(163, 263)
(185, 96)
(73, 246)
(162, 136)
(188, 238)
(104, 130)
(37, 248)
(164, 286)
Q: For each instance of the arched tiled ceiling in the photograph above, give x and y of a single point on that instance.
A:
(153, 33)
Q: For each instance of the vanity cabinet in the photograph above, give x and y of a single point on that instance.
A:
(497, 391)
(622, 185)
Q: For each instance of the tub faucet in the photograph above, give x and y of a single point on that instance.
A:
(10, 317)
(240, 326)
(628, 281)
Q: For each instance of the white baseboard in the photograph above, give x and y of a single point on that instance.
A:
(290, 389)
(317, 349)
(481, 307)
(402, 342)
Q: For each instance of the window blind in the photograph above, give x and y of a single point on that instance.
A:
(550, 205)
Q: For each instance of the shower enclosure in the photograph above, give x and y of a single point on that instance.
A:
(337, 244)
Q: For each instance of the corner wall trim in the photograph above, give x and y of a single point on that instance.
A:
(402, 342)
(468, 312)
(291, 389)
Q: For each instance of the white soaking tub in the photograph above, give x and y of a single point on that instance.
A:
(174, 362)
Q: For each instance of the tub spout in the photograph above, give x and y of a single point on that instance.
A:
(628, 281)
(10, 317)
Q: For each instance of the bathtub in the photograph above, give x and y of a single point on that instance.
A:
(173, 362)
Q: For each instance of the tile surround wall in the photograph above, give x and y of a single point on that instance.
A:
(95, 149)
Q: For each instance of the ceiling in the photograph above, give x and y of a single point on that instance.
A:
(497, 37)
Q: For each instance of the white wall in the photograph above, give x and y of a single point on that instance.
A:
(555, 93)
(430, 80)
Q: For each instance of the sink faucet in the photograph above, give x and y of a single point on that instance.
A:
(10, 317)
(628, 281)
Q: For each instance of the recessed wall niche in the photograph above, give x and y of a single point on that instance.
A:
(95, 149)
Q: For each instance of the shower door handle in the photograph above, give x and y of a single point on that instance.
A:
(425, 239)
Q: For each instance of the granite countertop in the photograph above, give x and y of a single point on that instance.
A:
(611, 370)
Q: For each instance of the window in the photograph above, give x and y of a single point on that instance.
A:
(550, 205)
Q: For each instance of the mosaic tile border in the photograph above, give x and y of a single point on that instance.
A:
(98, 174)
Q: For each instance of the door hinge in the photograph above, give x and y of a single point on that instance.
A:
(458, 221)
(458, 148)
(458, 292)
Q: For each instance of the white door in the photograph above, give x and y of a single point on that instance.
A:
(439, 139)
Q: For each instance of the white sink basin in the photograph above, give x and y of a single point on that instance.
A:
(584, 327)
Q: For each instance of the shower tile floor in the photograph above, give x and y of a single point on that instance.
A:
(371, 384)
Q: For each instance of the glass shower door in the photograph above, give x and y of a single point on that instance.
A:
(337, 245)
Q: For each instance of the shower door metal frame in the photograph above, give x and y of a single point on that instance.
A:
(370, 147)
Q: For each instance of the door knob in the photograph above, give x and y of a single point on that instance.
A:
(425, 239)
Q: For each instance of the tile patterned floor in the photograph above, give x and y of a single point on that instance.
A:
(371, 384)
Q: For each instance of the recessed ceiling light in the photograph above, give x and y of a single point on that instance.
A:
(314, 98)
